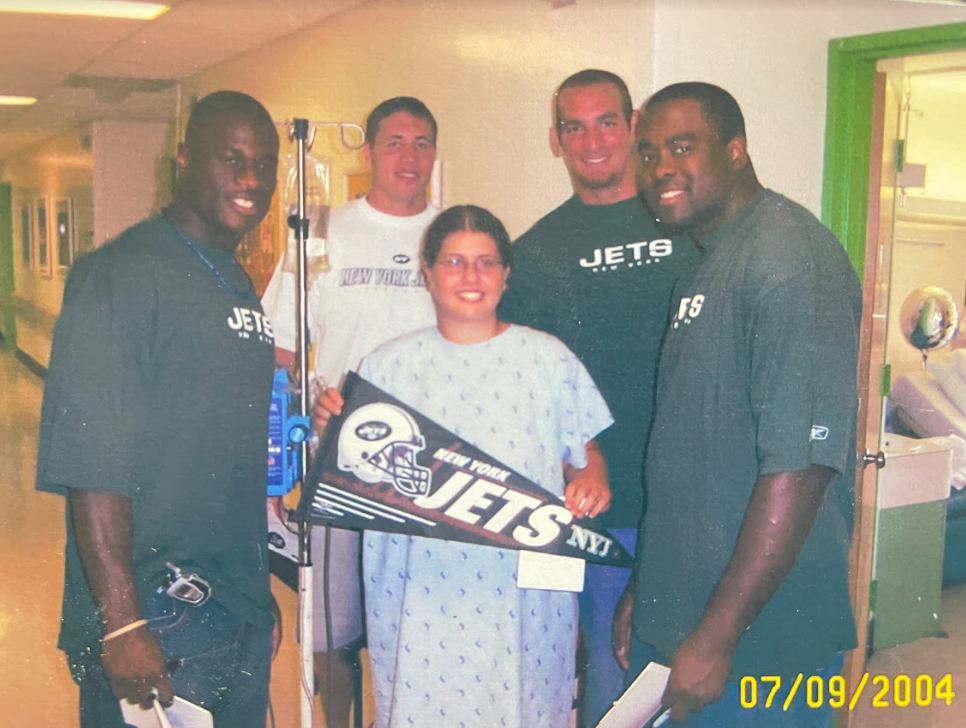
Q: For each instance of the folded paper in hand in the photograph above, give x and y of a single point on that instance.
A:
(181, 714)
(641, 702)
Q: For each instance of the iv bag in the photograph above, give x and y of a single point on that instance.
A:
(316, 211)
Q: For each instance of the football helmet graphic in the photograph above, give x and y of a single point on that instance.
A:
(378, 444)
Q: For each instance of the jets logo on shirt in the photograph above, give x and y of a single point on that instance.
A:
(629, 255)
(689, 308)
(401, 258)
(249, 324)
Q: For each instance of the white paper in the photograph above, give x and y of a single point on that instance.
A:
(181, 714)
(537, 570)
(641, 701)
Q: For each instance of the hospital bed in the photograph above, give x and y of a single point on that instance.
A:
(921, 406)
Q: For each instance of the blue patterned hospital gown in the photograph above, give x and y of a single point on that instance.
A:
(453, 642)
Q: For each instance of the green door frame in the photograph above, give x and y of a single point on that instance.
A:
(845, 208)
(848, 124)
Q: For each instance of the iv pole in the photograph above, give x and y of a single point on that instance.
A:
(299, 132)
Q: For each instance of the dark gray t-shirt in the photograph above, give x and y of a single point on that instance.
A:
(158, 390)
(599, 278)
(757, 376)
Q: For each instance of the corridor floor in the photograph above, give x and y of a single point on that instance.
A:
(35, 689)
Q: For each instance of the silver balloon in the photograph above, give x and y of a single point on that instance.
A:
(929, 318)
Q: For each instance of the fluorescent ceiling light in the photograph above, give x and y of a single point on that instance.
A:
(97, 8)
(17, 100)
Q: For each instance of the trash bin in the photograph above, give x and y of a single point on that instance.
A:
(909, 539)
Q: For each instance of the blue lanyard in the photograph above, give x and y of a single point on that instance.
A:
(249, 293)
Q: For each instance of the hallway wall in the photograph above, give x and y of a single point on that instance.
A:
(773, 57)
(58, 169)
(487, 70)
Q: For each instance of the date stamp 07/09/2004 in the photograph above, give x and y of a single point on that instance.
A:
(901, 691)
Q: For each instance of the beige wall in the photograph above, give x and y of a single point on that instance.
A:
(131, 173)
(935, 138)
(52, 171)
(57, 169)
(486, 69)
(115, 173)
(773, 57)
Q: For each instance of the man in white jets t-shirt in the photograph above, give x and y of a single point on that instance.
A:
(373, 291)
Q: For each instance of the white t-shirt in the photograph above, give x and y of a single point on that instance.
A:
(374, 290)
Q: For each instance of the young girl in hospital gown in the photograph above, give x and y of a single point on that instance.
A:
(454, 643)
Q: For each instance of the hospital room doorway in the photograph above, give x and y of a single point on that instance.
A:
(917, 231)
(894, 197)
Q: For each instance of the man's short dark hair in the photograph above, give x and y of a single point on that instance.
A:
(233, 103)
(409, 104)
(593, 77)
(720, 108)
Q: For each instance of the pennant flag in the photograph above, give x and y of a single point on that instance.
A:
(383, 466)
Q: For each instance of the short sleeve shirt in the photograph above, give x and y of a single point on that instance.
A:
(373, 291)
(599, 278)
(158, 390)
(757, 376)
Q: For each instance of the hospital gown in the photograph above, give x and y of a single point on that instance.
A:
(453, 642)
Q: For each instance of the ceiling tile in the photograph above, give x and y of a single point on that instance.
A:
(205, 32)
(40, 53)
